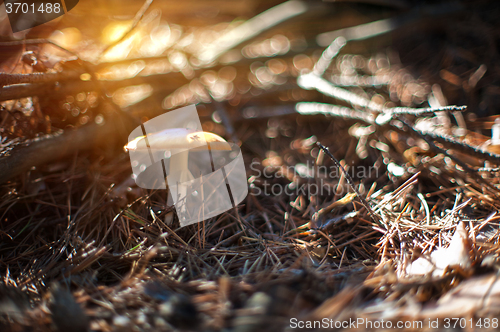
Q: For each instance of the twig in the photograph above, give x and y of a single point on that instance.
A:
(310, 108)
(344, 112)
(167, 82)
(328, 54)
(252, 28)
(34, 42)
(395, 111)
(54, 147)
(8, 79)
(377, 28)
(350, 181)
(466, 168)
(360, 80)
(401, 4)
(313, 81)
(137, 19)
(462, 146)
(488, 169)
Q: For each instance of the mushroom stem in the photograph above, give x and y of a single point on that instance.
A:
(179, 173)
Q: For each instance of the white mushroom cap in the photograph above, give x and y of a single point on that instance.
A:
(178, 138)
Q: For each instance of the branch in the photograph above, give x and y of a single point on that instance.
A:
(310, 108)
(452, 143)
(9, 79)
(313, 81)
(429, 139)
(377, 28)
(54, 147)
(252, 28)
(172, 80)
(395, 111)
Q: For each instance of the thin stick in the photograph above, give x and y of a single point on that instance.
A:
(421, 111)
(453, 143)
(311, 108)
(350, 181)
(8, 79)
(252, 28)
(328, 54)
(137, 19)
(462, 164)
(488, 169)
(44, 150)
(377, 28)
(312, 81)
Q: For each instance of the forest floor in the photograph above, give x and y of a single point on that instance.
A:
(372, 204)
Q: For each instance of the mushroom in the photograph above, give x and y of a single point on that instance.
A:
(183, 140)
